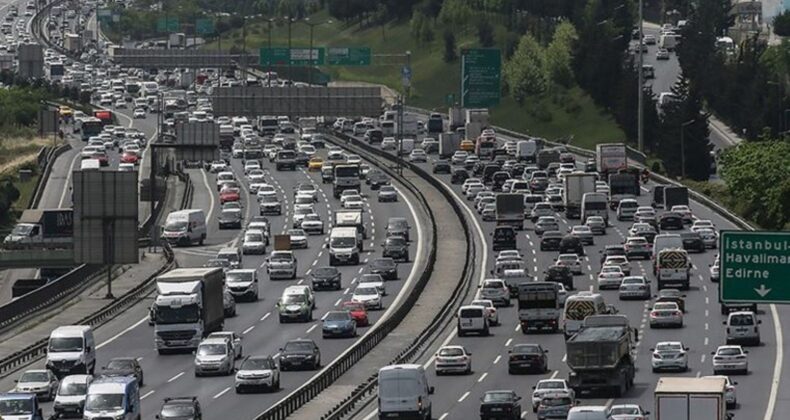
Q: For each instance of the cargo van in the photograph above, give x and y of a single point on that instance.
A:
(71, 349)
(406, 146)
(116, 397)
(232, 254)
(185, 227)
(665, 241)
(72, 392)
(344, 244)
(404, 392)
(526, 151)
(580, 306)
(472, 319)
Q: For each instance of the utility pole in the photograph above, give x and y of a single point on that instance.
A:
(640, 114)
(399, 122)
(290, 74)
(269, 74)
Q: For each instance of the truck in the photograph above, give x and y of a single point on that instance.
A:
(477, 115)
(684, 398)
(448, 144)
(675, 196)
(668, 41)
(186, 79)
(351, 218)
(539, 306)
(527, 151)
(346, 178)
(52, 228)
(188, 307)
(599, 355)
(673, 268)
(575, 185)
(623, 185)
(610, 158)
(409, 125)
(547, 156)
(473, 131)
(177, 40)
(510, 210)
(457, 117)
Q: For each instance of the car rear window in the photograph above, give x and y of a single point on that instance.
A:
(471, 313)
(741, 320)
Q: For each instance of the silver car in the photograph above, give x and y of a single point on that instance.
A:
(597, 225)
(731, 359)
(257, 372)
(545, 224)
(41, 382)
(254, 242)
(635, 287)
(666, 314)
(214, 356)
(670, 355)
(496, 291)
(453, 359)
(584, 233)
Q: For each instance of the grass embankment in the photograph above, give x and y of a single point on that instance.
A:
(552, 116)
(20, 153)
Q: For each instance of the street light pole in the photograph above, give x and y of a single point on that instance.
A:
(683, 147)
(639, 113)
(269, 74)
(290, 74)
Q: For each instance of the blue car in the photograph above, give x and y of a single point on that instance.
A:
(339, 324)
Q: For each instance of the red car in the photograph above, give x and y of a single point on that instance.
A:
(229, 194)
(102, 158)
(358, 312)
(129, 157)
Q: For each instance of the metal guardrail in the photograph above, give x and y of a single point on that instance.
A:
(52, 156)
(302, 395)
(38, 349)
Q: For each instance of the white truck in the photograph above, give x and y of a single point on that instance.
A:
(575, 185)
(684, 398)
(409, 125)
(344, 244)
(527, 151)
(610, 158)
(352, 218)
(448, 144)
(346, 178)
(539, 306)
(477, 115)
(188, 307)
(53, 228)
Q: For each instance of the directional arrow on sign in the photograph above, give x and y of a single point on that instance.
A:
(762, 291)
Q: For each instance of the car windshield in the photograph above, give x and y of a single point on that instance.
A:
(294, 299)
(72, 388)
(281, 257)
(729, 351)
(493, 397)
(325, 272)
(176, 226)
(665, 307)
(669, 347)
(120, 364)
(104, 402)
(253, 237)
(337, 316)
(492, 285)
(365, 291)
(625, 410)
(16, 407)
(632, 281)
(296, 232)
(452, 351)
(211, 350)
(383, 263)
(236, 276)
(299, 346)
(268, 198)
(65, 344)
(257, 364)
(344, 242)
(34, 377)
(397, 241)
(177, 411)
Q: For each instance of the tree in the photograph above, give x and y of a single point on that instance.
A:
(697, 53)
(456, 14)
(782, 24)
(485, 33)
(525, 71)
(450, 53)
(559, 54)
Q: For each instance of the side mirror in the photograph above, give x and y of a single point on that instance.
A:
(652, 349)
(759, 321)
(430, 390)
(724, 323)
(713, 352)
(156, 417)
(518, 398)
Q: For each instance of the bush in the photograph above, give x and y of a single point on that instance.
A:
(782, 24)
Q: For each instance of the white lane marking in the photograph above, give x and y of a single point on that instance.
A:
(309, 330)
(463, 397)
(348, 289)
(706, 341)
(221, 393)
(210, 195)
(778, 360)
(250, 328)
(175, 377)
(338, 302)
(116, 336)
(498, 358)
(507, 343)
(444, 416)
(263, 318)
(482, 377)
(554, 375)
(702, 359)
(147, 394)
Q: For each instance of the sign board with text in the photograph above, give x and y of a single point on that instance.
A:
(278, 56)
(348, 56)
(755, 267)
(481, 77)
(167, 24)
(204, 26)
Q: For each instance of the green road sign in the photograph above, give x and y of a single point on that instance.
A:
(298, 57)
(481, 75)
(344, 56)
(204, 26)
(167, 24)
(755, 267)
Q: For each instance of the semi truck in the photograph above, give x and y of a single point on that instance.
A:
(622, 185)
(52, 228)
(539, 306)
(510, 210)
(477, 116)
(675, 196)
(188, 307)
(610, 158)
(575, 185)
(448, 144)
(599, 355)
(684, 398)
(346, 178)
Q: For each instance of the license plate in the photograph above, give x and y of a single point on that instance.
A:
(496, 409)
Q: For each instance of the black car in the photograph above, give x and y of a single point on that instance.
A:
(181, 408)
(612, 250)
(385, 267)
(302, 159)
(692, 241)
(124, 366)
(398, 226)
(571, 245)
(670, 221)
(498, 180)
(326, 278)
(441, 167)
(550, 241)
(396, 247)
(229, 220)
(488, 173)
(504, 238)
(590, 165)
(458, 176)
(301, 353)
(527, 357)
(376, 179)
(517, 170)
(500, 405)
(560, 274)
(374, 136)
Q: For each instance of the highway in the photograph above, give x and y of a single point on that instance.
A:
(172, 375)
(457, 396)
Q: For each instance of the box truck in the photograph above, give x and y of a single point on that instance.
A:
(575, 185)
(684, 398)
(43, 227)
(610, 158)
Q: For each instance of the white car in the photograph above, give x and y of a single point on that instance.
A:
(41, 382)
(702, 224)
(468, 182)
(584, 233)
(670, 355)
(493, 315)
(628, 412)
(369, 296)
(218, 166)
(298, 238)
(307, 189)
(418, 155)
(353, 202)
(550, 386)
(257, 372)
(250, 165)
(235, 341)
(619, 261)
(508, 255)
(139, 113)
(473, 190)
(610, 277)
(730, 395)
(666, 314)
(453, 359)
(730, 359)
(256, 176)
(571, 261)
(347, 193)
(312, 224)
(254, 242)
(684, 212)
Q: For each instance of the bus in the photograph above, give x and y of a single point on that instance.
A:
(133, 88)
(90, 126)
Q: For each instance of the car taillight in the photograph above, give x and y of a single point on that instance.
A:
(678, 313)
(419, 403)
(653, 315)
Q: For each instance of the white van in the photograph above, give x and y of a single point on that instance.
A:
(185, 227)
(242, 284)
(589, 412)
(472, 319)
(580, 306)
(742, 327)
(526, 150)
(71, 349)
(406, 146)
(344, 244)
(115, 397)
(72, 391)
(388, 128)
(404, 392)
(90, 165)
(232, 254)
(595, 204)
(665, 241)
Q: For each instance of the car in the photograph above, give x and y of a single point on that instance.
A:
(396, 247)
(120, 104)
(257, 372)
(357, 311)
(550, 241)
(555, 406)
(571, 244)
(560, 274)
(300, 353)
(709, 237)
(130, 157)
(325, 278)
(228, 303)
(684, 212)
(584, 233)
(634, 287)
(41, 382)
(550, 386)
(315, 163)
(387, 194)
(692, 241)
(493, 315)
(743, 327)
(124, 366)
(649, 39)
(312, 224)
(256, 176)
(662, 54)
(666, 314)
(702, 224)
(229, 219)
(233, 339)
(730, 394)
(670, 221)
(254, 242)
(669, 355)
(730, 359)
(495, 405)
(453, 359)
(637, 246)
(214, 356)
(229, 194)
(627, 412)
(269, 204)
(527, 357)
(139, 113)
(571, 261)
(610, 277)
(368, 295)
(619, 261)
(539, 210)
(418, 155)
(441, 166)
(386, 267)
(496, 291)
(338, 324)
(546, 223)
(488, 214)
(181, 408)
(715, 270)
(672, 295)
(353, 202)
